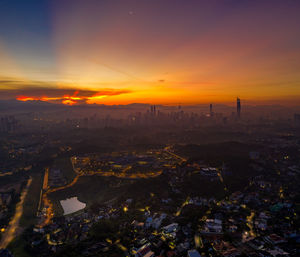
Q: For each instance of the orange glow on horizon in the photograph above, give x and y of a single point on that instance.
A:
(27, 98)
(32, 98)
(69, 102)
(73, 99)
(66, 99)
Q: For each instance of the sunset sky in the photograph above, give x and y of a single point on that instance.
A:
(150, 51)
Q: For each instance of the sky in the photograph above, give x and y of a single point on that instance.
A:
(150, 51)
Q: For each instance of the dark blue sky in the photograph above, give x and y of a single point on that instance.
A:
(25, 27)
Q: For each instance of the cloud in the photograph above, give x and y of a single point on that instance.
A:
(8, 81)
(51, 93)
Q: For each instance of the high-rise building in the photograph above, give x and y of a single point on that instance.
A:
(297, 119)
(211, 110)
(238, 107)
(153, 110)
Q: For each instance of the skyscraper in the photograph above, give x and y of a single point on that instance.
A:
(238, 107)
(153, 110)
(211, 110)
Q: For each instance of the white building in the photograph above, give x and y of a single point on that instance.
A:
(193, 253)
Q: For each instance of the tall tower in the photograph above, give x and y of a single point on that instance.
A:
(238, 107)
(211, 110)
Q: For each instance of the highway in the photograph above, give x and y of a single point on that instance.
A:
(13, 226)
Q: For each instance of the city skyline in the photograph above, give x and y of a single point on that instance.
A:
(149, 128)
(122, 52)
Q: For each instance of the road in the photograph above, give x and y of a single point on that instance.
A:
(73, 182)
(167, 149)
(6, 174)
(46, 177)
(13, 226)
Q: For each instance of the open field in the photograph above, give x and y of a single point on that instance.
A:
(65, 165)
(88, 189)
